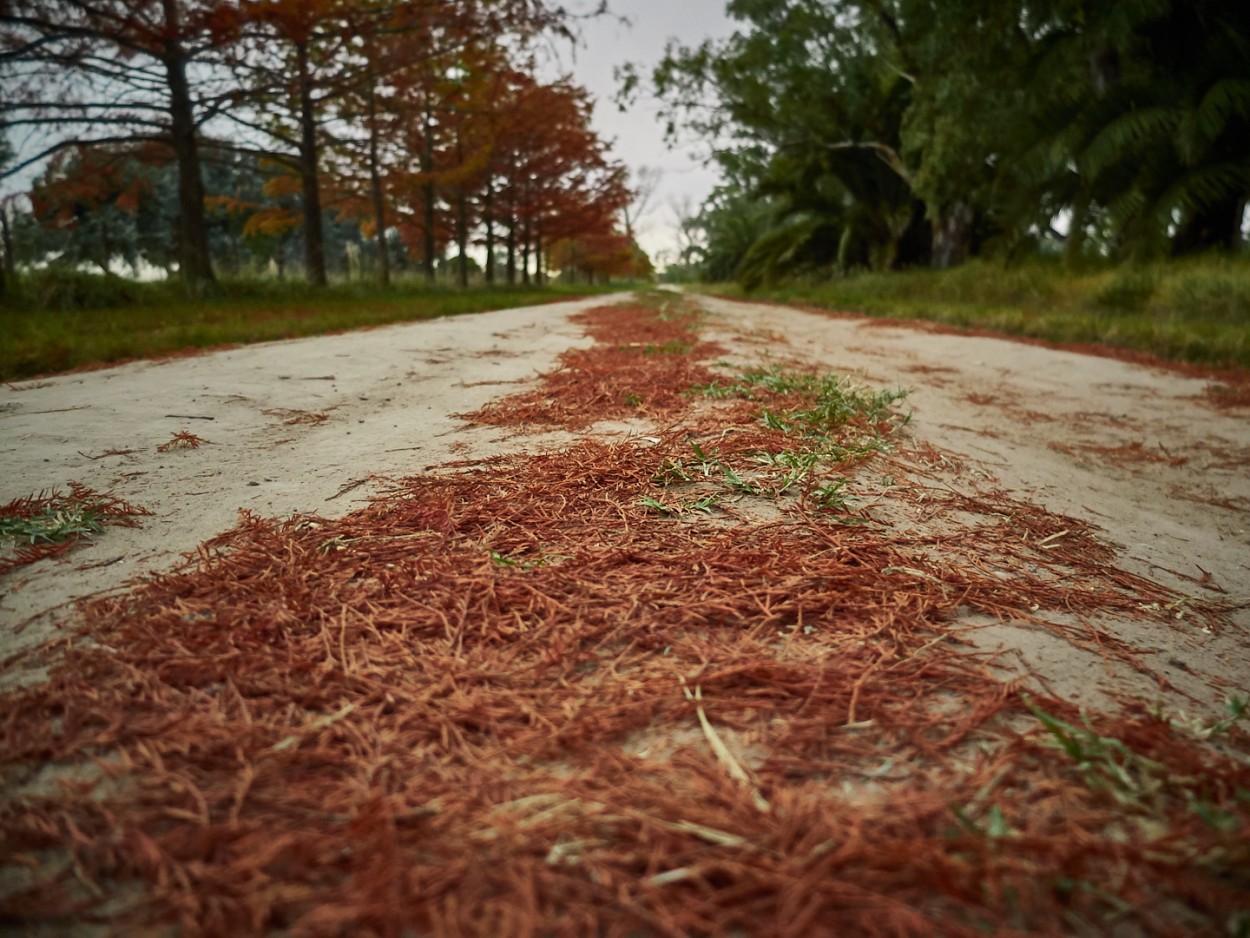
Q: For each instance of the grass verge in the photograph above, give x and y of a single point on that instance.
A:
(89, 320)
(1193, 311)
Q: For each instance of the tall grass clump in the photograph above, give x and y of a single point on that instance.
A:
(1130, 291)
(1195, 310)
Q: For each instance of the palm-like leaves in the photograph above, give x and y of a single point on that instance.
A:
(1226, 101)
(1166, 144)
(1132, 117)
(1130, 133)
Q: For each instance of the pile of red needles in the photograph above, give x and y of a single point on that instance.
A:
(674, 684)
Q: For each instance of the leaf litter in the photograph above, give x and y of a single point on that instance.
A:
(182, 439)
(510, 698)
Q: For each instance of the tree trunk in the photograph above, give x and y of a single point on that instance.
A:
(488, 207)
(194, 258)
(427, 166)
(375, 188)
(462, 237)
(6, 250)
(1074, 246)
(6, 242)
(952, 236)
(462, 224)
(105, 253)
(525, 254)
(915, 247)
(314, 234)
(538, 258)
(511, 245)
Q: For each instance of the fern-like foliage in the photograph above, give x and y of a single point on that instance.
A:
(1130, 133)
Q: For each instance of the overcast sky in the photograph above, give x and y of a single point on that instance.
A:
(638, 136)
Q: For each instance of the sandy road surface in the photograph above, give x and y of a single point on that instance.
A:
(300, 426)
(1138, 452)
(287, 427)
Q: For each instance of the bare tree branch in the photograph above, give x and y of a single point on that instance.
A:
(71, 143)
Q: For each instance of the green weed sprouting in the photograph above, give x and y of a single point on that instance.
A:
(826, 405)
(830, 422)
(670, 471)
(672, 347)
(1106, 763)
(675, 471)
(655, 504)
(705, 505)
(773, 422)
(995, 826)
(48, 523)
(1136, 781)
(54, 522)
(1236, 707)
(513, 562)
(831, 496)
(734, 481)
(798, 467)
(705, 461)
(830, 402)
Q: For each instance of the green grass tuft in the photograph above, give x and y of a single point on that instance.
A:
(52, 523)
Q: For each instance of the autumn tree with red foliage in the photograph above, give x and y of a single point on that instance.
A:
(487, 147)
(288, 58)
(339, 75)
(421, 118)
(598, 257)
(83, 73)
(96, 188)
(552, 171)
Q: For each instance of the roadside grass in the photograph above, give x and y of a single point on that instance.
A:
(58, 321)
(1194, 310)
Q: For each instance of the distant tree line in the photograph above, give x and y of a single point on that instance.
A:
(204, 135)
(887, 133)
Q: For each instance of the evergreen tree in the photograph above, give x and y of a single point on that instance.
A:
(887, 132)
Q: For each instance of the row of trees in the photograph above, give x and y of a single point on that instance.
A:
(239, 124)
(881, 133)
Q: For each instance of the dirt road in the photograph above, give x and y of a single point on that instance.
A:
(629, 620)
(302, 427)
(287, 428)
(1138, 452)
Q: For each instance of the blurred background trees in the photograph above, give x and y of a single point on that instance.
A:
(371, 136)
(191, 136)
(879, 134)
